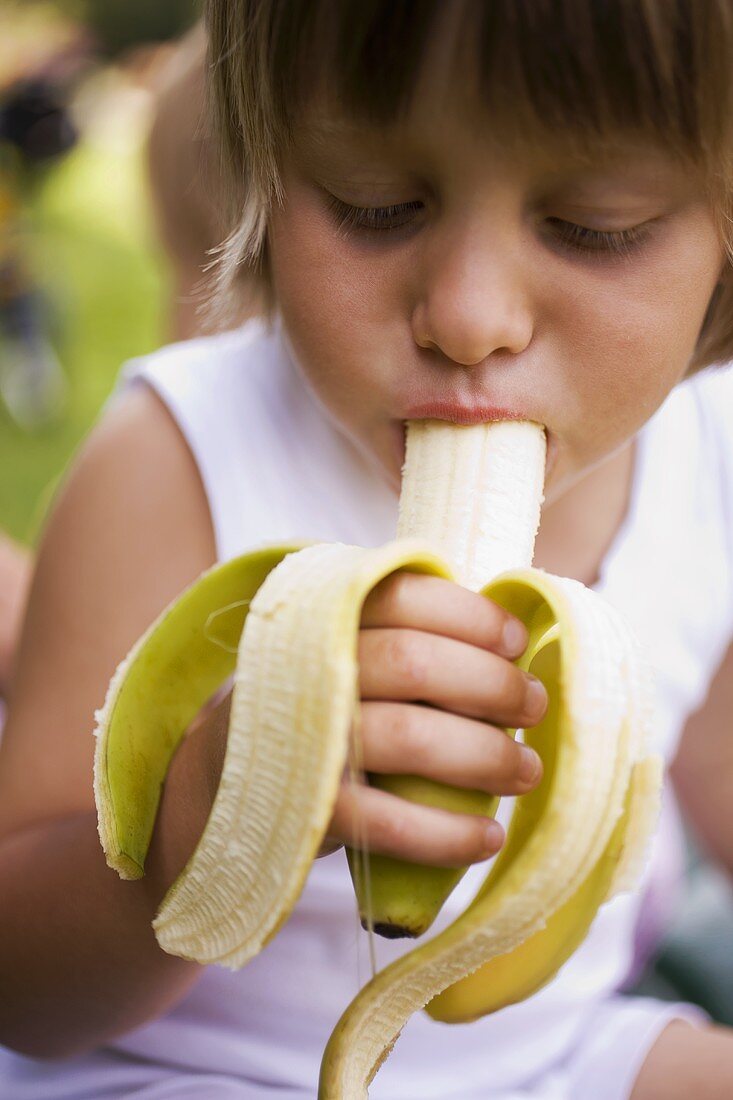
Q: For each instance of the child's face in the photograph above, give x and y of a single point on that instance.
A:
(479, 289)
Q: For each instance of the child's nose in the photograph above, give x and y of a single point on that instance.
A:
(474, 301)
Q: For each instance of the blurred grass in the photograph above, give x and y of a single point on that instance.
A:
(93, 252)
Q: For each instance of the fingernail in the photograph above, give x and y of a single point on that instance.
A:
(535, 699)
(514, 637)
(494, 837)
(530, 765)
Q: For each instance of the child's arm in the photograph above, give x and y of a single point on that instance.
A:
(702, 771)
(78, 960)
(15, 572)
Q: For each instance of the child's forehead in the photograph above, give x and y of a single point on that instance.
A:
(327, 134)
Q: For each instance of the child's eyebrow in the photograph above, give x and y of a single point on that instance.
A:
(334, 137)
(326, 127)
(334, 142)
(326, 132)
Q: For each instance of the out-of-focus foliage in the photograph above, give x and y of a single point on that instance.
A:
(85, 228)
(106, 295)
(31, 33)
(83, 285)
(121, 24)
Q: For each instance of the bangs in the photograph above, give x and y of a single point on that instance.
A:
(585, 67)
(581, 67)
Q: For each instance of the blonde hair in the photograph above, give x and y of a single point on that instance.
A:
(658, 67)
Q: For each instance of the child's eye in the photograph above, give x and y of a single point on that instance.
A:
(372, 217)
(577, 237)
(619, 242)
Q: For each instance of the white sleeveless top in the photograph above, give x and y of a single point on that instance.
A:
(277, 468)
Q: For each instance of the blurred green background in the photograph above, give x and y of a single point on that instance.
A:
(93, 255)
(84, 224)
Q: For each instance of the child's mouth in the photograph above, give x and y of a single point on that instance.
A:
(474, 413)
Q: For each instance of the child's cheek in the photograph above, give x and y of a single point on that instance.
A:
(632, 333)
(341, 307)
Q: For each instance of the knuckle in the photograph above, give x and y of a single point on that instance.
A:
(408, 732)
(392, 832)
(398, 593)
(409, 658)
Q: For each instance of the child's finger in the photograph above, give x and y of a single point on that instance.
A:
(442, 607)
(412, 666)
(391, 826)
(409, 739)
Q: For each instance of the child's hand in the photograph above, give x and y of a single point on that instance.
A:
(425, 640)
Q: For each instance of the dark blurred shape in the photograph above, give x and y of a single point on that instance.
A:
(35, 129)
(34, 118)
(119, 25)
(32, 383)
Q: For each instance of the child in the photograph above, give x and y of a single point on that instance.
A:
(15, 575)
(459, 210)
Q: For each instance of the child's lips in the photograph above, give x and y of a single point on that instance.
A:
(463, 413)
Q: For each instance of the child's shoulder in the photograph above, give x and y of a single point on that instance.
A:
(697, 421)
(696, 417)
(713, 384)
(243, 357)
(242, 410)
(234, 390)
(710, 393)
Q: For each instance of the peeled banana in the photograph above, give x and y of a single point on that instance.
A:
(469, 511)
(474, 495)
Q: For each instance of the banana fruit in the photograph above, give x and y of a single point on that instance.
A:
(474, 495)
(469, 511)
